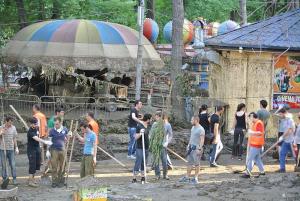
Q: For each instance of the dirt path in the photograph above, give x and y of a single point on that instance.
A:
(215, 183)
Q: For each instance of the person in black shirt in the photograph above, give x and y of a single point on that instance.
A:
(132, 125)
(33, 150)
(217, 145)
(204, 116)
(239, 127)
(143, 127)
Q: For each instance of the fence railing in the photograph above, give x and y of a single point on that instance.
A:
(74, 107)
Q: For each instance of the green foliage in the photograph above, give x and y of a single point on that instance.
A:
(124, 12)
(5, 35)
(184, 83)
(212, 10)
(156, 140)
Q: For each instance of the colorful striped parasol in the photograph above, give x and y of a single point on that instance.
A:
(83, 44)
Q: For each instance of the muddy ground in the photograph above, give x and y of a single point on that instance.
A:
(215, 183)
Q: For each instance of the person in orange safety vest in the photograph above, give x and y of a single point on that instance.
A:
(42, 127)
(256, 143)
(42, 121)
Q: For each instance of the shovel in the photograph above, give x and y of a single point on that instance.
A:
(45, 180)
(6, 181)
(70, 159)
(65, 156)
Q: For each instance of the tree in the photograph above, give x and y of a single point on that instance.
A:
(21, 13)
(150, 5)
(56, 9)
(177, 50)
(41, 6)
(243, 12)
(293, 4)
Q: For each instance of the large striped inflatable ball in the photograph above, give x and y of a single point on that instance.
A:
(188, 31)
(151, 30)
(227, 26)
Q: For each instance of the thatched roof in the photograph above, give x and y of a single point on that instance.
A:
(83, 44)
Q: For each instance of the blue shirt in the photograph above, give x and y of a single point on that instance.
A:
(58, 138)
(89, 141)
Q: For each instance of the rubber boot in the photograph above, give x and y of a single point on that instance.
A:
(165, 175)
(31, 182)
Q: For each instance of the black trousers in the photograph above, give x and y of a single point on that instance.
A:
(34, 157)
(238, 139)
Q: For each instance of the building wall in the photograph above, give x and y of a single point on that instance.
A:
(242, 78)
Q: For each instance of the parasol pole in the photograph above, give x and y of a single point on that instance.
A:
(138, 81)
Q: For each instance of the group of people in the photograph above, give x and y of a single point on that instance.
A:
(205, 131)
(49, 140)
(139, 127)
(205, 140)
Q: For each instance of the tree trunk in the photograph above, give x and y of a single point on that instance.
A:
(177, 50)
(297, 4)
(41, 7)
(234, 16)
(21, 13)
(243, 12)
(293, 4)
(150, 5)
(55, 9)
(271, 7)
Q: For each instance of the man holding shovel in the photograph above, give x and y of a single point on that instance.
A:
(256, 143)
(58, 136)
(8, 149)
(142, 148)
(94, 126)
(88, 161)
(287, 138)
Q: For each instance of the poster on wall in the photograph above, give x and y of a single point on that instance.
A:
(286, 83)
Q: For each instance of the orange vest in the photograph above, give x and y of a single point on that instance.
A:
(42, 124)
(257, 140)
(95, 128)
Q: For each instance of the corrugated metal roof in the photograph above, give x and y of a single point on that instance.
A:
(280, 32)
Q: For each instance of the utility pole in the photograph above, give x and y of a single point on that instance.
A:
(243, 12)
(139, 63)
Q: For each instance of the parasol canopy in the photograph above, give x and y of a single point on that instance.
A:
(82, 44)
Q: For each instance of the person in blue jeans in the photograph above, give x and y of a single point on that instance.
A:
(142, 129)
(133, 121)
(8, 134)
(287, 138)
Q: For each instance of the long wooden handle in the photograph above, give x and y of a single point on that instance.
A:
(67, 147)
(122, 164)
(19, 116)
(274, 145)
(72, 147)
(177, 155)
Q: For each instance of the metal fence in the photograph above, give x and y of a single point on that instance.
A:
(74, 107)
